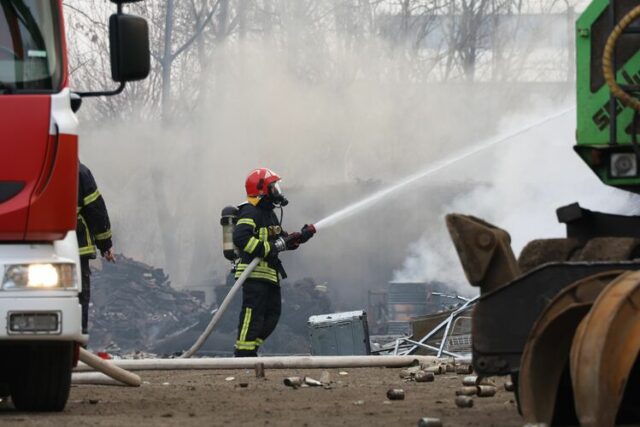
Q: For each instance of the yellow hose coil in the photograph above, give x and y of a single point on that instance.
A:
(607, 60)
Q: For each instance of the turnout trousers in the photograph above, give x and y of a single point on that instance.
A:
(85, 293)
(261, 307)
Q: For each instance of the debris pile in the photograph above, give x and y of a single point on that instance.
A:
(134, 307)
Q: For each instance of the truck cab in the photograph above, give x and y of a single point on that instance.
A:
(40, 314)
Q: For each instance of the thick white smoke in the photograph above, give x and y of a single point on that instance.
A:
(522, 185)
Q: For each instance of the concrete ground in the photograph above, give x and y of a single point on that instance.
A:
(196, 398)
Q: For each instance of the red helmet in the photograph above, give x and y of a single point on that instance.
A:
(259, 181)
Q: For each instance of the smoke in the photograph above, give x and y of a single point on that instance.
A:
(523, 184)
(338, 119)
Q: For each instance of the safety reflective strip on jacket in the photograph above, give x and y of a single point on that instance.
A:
(90, 248)
(247, 221)
(251, 246)
(103, 236)
(91, 197)
(261, 271)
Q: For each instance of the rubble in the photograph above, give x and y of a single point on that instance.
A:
(395, 394)
(325, 378)
(293, 382)
(437, 369)
(470, 380)
(464, 369)
(410, 372)
(464, 402)
(311, 382)
(486, 391)
(466, 391)
(135, 309)
(259, 368)
(429, 422)
(424, 377)
(134, 306)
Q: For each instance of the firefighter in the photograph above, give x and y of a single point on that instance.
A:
(93, 229)
(259, 233)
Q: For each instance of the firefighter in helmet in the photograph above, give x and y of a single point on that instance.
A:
(258, 233)
(93, 229)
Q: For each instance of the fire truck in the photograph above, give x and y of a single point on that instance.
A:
(40, 314)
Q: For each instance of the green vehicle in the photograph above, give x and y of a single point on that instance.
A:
(563, 319)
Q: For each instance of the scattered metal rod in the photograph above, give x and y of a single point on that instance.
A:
(423, 345)
(444, 324)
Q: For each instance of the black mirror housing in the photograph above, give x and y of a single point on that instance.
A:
(129, 45)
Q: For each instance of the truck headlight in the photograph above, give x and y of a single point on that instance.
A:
(39, 276)
(624, 165)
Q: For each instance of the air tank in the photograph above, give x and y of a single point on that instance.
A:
(228, 219)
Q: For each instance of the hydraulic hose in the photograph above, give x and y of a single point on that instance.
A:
(607, 60)
(223, 307)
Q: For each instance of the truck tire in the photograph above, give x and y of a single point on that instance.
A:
(42, 378)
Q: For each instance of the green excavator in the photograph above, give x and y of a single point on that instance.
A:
(563, 318)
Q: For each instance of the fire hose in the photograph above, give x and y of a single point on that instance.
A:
(223, 307)
(121, 376)
(309, 228)
(108, 369)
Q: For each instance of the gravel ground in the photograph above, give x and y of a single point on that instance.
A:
(196, 398)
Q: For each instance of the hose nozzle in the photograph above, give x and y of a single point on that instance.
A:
(307, 232)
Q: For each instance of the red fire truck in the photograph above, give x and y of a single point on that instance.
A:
(40, 316)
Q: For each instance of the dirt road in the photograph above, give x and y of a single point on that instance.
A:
(206, 398)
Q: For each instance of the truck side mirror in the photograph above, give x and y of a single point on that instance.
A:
(129, 45)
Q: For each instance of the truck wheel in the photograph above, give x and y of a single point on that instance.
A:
(42, 378)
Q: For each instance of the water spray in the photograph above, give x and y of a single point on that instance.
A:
(436, 167)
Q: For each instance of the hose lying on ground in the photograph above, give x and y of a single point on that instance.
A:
(116, 368)
(94, 378)
(223, 307)
(120, 376)
(277, 362)
(110, 369)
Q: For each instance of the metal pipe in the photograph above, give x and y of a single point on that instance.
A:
(223, 307)
(280, 362)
